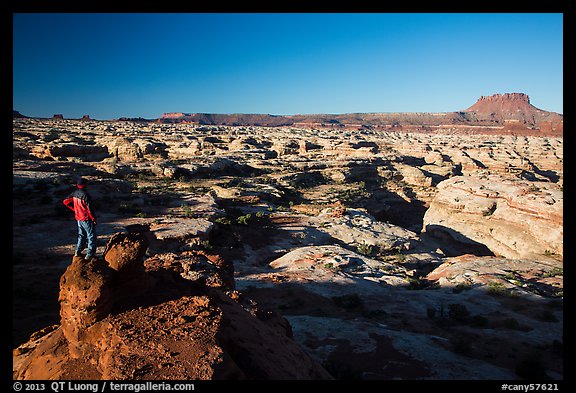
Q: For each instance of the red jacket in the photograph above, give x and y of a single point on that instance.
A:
(80, 203)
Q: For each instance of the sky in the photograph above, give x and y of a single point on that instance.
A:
(109, 65)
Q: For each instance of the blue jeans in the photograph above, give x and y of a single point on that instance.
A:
(86, 234)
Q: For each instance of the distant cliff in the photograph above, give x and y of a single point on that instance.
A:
(510, 110)
(503, 112)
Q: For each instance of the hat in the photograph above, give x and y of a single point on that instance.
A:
(81, 182)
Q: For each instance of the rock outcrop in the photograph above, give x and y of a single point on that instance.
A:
(513, 218)
(170, 324)
(60, 151)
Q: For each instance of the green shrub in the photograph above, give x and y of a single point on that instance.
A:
(205, 244)
(187, 210)
(365, 249)
(243, 220)
(496, 288)
(557, 271)
(223, 221)
(463, 286)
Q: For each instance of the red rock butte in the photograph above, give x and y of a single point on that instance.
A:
(509, 105)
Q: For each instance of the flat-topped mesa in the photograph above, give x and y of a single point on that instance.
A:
(174, 115)
(514, 110)
(506, 97)
(503, 104)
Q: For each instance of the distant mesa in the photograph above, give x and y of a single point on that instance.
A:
(174, 115)
(509, 112)
(512, 108)
(134, 119)
(236, 119)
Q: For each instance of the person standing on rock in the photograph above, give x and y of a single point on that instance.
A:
(80, 202)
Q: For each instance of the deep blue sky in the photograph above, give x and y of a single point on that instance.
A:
(141, 65)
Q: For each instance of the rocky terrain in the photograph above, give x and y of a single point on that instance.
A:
(251, 252)
(176, 319)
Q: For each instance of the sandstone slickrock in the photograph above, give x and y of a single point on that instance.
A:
(513, 218)
(520, 275)
(356, 227)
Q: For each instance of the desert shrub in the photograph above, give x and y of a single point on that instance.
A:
(463, 286)
(243, 220)
(496, 288)
(557, 271)
(419, 283)
(350, 195)
(365, 249)
(559, 293)
(205, 244)
(187, 210)
(223, 221)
